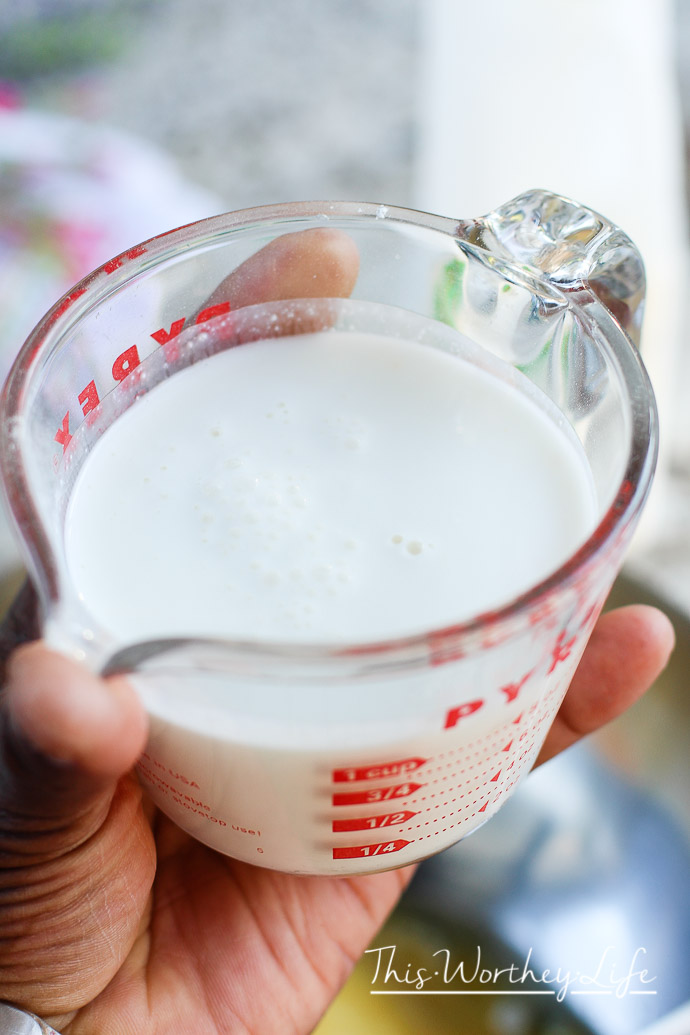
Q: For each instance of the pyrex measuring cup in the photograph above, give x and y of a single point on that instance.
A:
(346, 758)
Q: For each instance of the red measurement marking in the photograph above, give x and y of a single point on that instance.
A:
(454, 715)
(483, 808)
(495, 778)
(400, 790)
(376, 772)
(513, 689)
(561, 650)
(390, 819)
(508, 746)
(365, 851)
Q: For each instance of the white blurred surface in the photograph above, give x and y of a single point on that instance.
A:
(581, 99)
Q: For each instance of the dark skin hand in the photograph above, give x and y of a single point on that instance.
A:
(113, 921)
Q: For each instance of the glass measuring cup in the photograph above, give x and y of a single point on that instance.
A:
(346, 758)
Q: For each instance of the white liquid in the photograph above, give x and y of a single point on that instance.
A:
(334, 487)
(326, 487)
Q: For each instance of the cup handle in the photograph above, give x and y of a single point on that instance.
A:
(572, 247)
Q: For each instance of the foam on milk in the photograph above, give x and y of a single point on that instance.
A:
(326, 487)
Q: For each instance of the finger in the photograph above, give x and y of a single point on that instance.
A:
(65, 738)
(318, 263)
(314, 265)
(71, 715)
(628, 649)
(77, 857)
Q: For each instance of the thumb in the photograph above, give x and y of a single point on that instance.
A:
(76, 854)
(66, 736)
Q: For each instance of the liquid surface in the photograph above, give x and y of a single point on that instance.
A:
(326, 487)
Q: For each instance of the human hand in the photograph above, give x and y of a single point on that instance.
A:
(115, 922)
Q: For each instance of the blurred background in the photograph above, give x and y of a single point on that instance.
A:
(123, 118)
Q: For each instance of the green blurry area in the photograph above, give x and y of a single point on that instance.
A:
(42, 38)
(416, 938)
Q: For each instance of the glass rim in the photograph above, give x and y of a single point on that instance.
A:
(631, 491)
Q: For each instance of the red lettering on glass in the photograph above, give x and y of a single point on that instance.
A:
(116, 263)
(561, 650)
(89, 398)
(125, 363)
(453, 715)
(211, 311)
(163, 337)
(62, 435)
(511, 690)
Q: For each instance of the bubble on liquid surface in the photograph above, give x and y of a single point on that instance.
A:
(412, 546)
